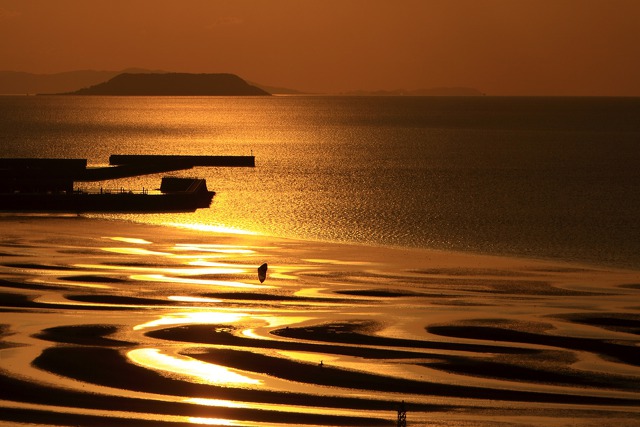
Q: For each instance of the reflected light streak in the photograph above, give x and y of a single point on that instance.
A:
(217, 267)
(134, 251)
(201, 372)
(130, 240)
(164, 279)
(119, 417)
(214, 402)
(212, 228)
(337, 262)
(279, 321)
(168, 270)
(72, 284)
(317, 410)
(250, 333)
(223, 249)
(193, 317)
(114, 267)
(180, 298)
(211, 421)
(283, 276)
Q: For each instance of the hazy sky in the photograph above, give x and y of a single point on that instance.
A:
(501, 47)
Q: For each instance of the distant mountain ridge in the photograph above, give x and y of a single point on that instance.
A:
(21, 83)
(173, 84)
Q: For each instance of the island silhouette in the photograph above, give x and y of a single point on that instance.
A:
(173, 84)
(71, 82)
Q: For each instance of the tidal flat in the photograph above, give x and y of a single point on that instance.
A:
(109, 322)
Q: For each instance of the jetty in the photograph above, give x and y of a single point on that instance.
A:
(49, 185)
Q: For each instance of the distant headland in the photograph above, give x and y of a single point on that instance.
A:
(91, 82)
(172, 84)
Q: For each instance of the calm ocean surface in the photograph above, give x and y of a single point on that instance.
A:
(542, 177)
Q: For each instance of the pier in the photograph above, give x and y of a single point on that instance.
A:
(36, 184)
(122, 166)
(210, 161)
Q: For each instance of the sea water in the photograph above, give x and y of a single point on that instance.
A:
(537, 177)
(104, 320)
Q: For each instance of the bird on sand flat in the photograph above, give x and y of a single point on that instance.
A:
(262, 272)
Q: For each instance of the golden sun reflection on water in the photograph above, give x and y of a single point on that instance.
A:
(74, 284)
(192, 281)
(181, 298)
(192, 317)
(197, 371)
(211, 421)
(130, 240)
(222, 249)
(212, 228)
(250, 333)
(337, 262)
(215, 402)
(178, 275)
(215, 267)
(134, 251)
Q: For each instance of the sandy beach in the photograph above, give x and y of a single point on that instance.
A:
(117, 323)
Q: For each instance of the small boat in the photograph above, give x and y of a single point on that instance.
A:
(48, 185)
(192, 194)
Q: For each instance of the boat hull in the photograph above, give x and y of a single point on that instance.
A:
(105, 202)
(49, 185)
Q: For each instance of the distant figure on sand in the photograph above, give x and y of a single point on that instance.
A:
(402, 415)
(262, 272)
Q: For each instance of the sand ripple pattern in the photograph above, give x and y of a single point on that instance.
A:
(107, 323)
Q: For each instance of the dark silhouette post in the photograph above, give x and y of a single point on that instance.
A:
(402, 415)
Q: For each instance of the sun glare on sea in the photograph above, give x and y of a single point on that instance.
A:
(212, 228)
(193, 281)
(192, 317)
(211, 421)
(134, 251)
(130, 240)
(215, 402)
(201, 372)
(209, 267)
(220, 249)
(182, 298)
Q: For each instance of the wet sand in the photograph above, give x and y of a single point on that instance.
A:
(116, 323)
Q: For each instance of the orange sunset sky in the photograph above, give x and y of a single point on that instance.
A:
(500, 47)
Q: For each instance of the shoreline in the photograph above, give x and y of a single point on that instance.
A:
(101, 315)
(224, 232)
(546, 258)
